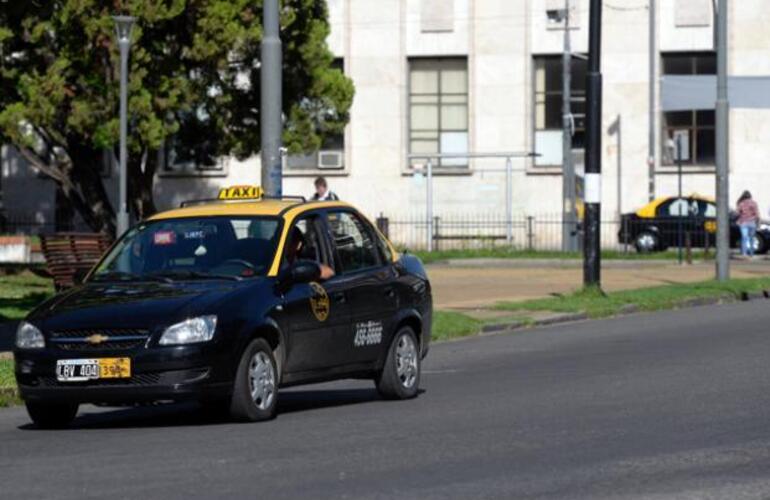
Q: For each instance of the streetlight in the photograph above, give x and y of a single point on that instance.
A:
(123, 25)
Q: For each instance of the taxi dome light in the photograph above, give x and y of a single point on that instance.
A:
(28, 336)
(190, 331)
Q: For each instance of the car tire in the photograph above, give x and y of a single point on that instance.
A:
(255, 391)
(400, 377)
(646, 242)
(52, 415)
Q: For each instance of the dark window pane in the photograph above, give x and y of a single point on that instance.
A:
(579, 75)
(705, 147)
(553, 111)
(578, 139)
(678, 119)
(706, 64)
(553, 74)
(675, 64)
(705, 118)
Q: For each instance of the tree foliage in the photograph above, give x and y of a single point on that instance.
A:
(194, 81)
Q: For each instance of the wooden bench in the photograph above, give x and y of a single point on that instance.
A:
(70, 254)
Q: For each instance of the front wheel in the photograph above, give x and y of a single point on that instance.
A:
(52, 416)
(760, 244)
(646, 242)
(255, 392)
(400, 377)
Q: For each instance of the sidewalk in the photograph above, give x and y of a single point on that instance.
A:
(477, 284)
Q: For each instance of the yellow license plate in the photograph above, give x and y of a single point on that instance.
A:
(114, 367)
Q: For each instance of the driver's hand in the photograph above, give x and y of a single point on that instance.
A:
(326, 272)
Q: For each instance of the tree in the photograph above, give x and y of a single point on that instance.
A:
(194, 80)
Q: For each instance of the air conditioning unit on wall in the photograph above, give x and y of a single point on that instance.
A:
(331, 160)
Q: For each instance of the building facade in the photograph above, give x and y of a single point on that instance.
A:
(483, 77)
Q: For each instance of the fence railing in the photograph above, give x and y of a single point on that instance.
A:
(534, 232)
(28, 226)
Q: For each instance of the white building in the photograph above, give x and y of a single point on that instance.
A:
(484, 76)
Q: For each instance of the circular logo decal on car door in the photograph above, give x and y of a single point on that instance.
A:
(319, 302)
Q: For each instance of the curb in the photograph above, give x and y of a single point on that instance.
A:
(550, 263)
(493, 328)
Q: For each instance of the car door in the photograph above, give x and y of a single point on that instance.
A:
(671, 217)
(317, 312)
(369, 284)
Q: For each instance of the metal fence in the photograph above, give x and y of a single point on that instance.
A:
(27, 226)
(544, 232)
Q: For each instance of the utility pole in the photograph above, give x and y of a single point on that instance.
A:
(722, 153)
(123, 25)
(653, 112)
(593, 176)
(270, 116)
(568, 233)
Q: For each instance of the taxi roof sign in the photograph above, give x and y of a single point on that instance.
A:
(243, 192)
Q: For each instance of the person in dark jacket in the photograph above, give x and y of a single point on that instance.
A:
(322, 192)
(748, 218)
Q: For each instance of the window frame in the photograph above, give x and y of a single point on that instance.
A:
(696, 60)
(338, 267)
(438, 163)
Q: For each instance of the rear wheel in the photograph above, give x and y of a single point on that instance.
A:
(760, 244)
(400, 377)
(255, 393)
(646, 242)
(52, 415)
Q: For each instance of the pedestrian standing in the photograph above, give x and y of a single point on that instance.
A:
(748, 218)
(322, 192)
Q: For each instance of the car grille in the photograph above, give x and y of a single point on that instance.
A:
(113, 339)
(137, 379)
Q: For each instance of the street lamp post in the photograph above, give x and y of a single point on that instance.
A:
(270, 101)
(569, 239)
(123, 25)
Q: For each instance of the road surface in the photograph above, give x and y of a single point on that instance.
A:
(670, 405)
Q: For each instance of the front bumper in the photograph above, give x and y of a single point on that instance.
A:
(157, 374)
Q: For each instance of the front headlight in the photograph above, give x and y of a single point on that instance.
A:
(190, 331)
(28, 336)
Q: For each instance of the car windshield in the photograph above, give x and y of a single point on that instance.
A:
(193, 248)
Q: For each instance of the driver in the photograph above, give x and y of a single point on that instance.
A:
(294, 248)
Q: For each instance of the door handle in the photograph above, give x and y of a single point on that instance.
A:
(339, 297)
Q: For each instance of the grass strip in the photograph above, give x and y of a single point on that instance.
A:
(512, 253)
(597, 304)
(8, 392)
(19, 293)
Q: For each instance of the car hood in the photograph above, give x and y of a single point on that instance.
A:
(131, 305)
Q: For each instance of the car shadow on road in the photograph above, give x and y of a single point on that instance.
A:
(190, 414)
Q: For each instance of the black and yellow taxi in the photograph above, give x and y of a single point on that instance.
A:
(224, 302)
(672, 220)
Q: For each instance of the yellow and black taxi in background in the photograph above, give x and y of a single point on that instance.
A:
(663, 222)
(224, 303)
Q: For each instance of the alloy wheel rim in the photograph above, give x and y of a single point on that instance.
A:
(646, 241)
(262, 380)
(406, 361)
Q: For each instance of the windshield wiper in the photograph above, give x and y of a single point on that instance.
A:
(127, 276)
(187, 274)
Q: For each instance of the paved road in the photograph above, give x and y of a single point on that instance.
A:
(671, 405)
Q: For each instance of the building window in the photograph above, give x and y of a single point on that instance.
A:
(331, 155)
(694, 128)
(438, 109)
(548, 107)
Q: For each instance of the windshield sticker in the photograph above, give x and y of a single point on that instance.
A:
(194, 235)
(368, 333)
(164, 238)
(319, 302)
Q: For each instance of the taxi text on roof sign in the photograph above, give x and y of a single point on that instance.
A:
(241, 193)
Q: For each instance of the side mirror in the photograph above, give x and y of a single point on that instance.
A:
(302, 271)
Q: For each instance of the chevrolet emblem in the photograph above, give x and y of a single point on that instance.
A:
(96, 339)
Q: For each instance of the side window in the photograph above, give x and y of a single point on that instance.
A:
(353, 241)
(303, 242)
(708, 210)
(675, 208)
